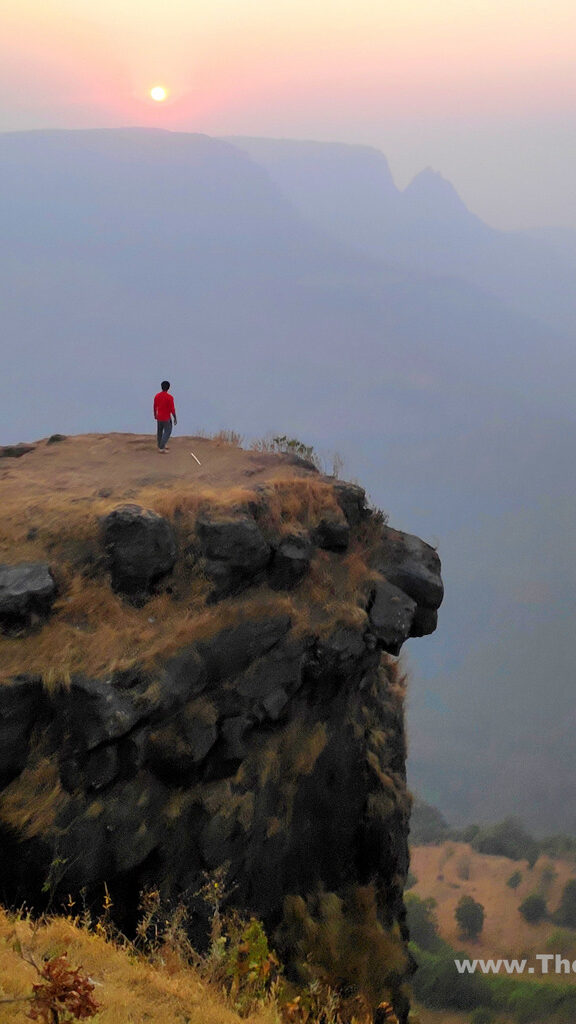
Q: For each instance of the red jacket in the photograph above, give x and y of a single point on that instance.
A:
(163, 406)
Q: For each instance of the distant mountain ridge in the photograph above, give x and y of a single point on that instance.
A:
(349, 191)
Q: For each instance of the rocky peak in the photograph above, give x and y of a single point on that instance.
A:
(433, 197)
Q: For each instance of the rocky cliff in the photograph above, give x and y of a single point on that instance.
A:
(199, 679)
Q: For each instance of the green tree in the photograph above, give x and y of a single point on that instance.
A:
(470, 917)
(508, 838)
(533, 909)
(422, 921)
(514, 880)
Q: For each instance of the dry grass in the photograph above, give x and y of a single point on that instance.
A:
(299, 501)
(131, 991)
(52, 513)
(334, 592)
(231, 437)
(31, 803)
(96, 632)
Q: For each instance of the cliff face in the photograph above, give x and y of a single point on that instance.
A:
(228, 700)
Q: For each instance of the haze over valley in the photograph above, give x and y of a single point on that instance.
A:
(292, 288)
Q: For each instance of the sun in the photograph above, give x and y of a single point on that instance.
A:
(159, 93)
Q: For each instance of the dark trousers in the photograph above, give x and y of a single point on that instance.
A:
(164, 429)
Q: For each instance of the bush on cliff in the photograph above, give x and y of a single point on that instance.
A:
(342, 944)
(422, 921)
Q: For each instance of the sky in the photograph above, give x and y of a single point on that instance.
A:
(483, 91)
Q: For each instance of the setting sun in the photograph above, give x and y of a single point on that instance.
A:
(159, 93)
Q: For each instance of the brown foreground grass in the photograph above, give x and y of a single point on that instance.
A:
(129, 989)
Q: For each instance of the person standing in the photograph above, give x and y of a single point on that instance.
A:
(164, 412)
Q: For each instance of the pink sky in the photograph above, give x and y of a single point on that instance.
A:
(484, 91)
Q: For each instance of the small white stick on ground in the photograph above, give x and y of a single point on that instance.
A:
(196, 457)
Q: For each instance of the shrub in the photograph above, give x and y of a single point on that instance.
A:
(422, 921)
(533, 909)
(508, 838)
(288, 445)
(64, 990)
(566, 913)
(342, 944)
(250, 967)
(514, 881)
(470, 917)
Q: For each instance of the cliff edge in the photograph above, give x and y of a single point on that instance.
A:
(199, 679)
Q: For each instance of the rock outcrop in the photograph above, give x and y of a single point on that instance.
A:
(140, 546)
(265, 740)
(27, 592)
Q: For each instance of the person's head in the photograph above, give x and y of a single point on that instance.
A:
(165, 385)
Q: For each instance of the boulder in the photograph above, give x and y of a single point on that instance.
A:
(412, 565)
(230, 652)
(391, 614)
(290, 562)
(425, 621)
(183, 677)
(140, 546)
(179, 746)
(332, 534)
(16, 451)
(234, 732)
(338, 657)
(264, 689)
(26, 589)
(352, 501)
(101, 768)
(273, 704)
(92, 712)
(235, 552)
(133, 821)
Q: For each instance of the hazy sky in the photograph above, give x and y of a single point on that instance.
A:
(482, 90)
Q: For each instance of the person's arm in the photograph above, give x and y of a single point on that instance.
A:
(155, 413)
(174, 412)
